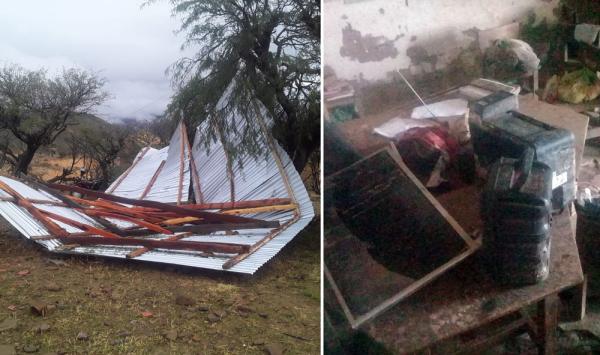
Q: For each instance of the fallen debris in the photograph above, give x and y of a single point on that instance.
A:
(39, 308)
(146, 214)
(83, 336)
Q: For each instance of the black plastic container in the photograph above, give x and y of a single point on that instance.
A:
(517, 213)
(495, 104)
(511, 134)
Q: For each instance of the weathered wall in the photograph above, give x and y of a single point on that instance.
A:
(369, 39)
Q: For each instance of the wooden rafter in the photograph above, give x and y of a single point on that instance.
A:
(195, 176)
(181, 162)
(208, 216)
(79, 225)
(240, 204)
(273, 147)
(227, 248)
(50, 225)
(152, 180)
(208, 228)
(70, 203)
(238, 258)
(140, 251)
(126, 173)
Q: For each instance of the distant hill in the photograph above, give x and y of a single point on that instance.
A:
(81, 122)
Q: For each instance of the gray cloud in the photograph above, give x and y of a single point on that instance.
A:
(130, 46)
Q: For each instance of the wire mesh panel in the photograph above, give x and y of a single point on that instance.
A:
(385, 236)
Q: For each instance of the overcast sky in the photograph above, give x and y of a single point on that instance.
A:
(130, 46)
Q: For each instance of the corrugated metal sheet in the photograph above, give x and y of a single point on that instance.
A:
(176, 169)
(254, 179)
(131, 184)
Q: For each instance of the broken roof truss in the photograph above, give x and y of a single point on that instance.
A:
(243, 216)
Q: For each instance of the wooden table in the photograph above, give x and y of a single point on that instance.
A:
(467, 298)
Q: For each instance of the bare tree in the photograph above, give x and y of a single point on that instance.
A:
(75, 151)
(36, 109)
(101, 147)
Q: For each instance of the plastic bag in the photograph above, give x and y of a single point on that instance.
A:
(525, 53)
(579, 86)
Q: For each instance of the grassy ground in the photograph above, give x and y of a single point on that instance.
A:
(103, 302)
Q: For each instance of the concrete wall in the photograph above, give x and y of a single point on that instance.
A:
(369, 39)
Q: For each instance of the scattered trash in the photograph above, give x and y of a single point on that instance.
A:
(39, 308)
(427, 152)
(394, 128)
(510, 59)
(23, 272)
(147, 314)
(446, 108)
(575, 87)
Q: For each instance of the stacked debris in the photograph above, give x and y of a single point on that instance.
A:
(241, 215)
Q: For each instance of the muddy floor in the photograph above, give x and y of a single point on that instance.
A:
(74, 305)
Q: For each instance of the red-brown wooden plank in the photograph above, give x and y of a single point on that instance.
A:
(226, 248)
(208, 216)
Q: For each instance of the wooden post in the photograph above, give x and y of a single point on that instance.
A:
(547, 321)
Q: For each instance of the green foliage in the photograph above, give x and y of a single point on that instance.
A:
(546, 39)
(266, 50)
(35, 109)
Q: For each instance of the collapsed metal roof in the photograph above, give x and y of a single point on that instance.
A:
(250, 211)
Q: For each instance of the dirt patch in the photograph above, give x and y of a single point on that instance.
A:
(105, 306)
